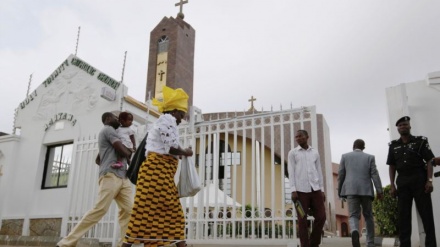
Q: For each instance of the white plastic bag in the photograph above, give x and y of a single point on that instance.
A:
(189, 182)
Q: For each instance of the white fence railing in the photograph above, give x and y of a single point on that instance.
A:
(241, 161)
(83, 190)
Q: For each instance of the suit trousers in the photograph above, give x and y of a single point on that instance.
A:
(314, 201)
(355, 203)
(111, 188)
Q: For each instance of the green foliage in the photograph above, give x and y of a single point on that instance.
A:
(250, 210)
(385, 212)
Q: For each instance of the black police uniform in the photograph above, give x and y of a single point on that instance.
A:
(409, 160)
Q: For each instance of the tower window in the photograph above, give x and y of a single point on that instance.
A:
(163, 44)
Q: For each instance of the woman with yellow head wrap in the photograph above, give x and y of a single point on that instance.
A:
(157, 216)
(172, 100)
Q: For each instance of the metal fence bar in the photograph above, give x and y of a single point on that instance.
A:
(247, 142)
(272, 169)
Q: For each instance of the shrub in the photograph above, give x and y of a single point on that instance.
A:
(385, 212)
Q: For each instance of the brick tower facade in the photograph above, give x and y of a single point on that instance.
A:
(171, 57)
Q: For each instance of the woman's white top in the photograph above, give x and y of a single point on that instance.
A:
(163, 135)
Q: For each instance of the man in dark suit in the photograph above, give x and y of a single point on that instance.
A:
(357, 173)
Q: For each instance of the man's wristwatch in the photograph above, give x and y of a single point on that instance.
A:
(433, 162)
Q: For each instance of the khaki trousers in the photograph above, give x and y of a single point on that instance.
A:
(110, 187)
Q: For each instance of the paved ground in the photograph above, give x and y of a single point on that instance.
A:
(327, 242)
(336, 242)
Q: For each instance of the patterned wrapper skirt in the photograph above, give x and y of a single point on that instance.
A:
(157, 217)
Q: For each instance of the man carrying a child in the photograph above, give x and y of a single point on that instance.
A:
(113, 184)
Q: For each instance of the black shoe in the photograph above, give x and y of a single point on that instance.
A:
(355, 239)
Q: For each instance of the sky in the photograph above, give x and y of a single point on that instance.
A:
(338, 55)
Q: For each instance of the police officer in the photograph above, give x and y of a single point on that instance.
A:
(411, 157)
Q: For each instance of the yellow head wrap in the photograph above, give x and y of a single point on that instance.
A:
(172, 99)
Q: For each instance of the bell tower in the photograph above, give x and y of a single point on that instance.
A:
(171, 56)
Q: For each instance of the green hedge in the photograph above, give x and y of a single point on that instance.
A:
(385, 214)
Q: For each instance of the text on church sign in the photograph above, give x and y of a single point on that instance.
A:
(55, 74)
(28, 99)
(90, 70)
(58, 117)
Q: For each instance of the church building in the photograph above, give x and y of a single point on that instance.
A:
(58, 124)
(48, 178)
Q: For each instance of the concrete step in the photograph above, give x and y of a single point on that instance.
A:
(42, 241)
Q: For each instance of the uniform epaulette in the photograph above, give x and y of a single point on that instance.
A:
(421, 137)
(391, 142)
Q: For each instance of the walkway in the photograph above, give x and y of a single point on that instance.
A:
(327, 242)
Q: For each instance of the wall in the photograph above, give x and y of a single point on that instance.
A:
(327, 170)
(8, 156)
(420, 100)
(341, 207)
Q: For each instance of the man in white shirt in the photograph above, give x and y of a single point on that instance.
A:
(307, 185)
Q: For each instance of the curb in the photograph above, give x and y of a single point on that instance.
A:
(42, 241)
(386, 242)
(28, 240)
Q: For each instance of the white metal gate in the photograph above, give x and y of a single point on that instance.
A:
(241, 162)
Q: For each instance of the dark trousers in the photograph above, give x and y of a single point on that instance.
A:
(315, 202)
(406, 194)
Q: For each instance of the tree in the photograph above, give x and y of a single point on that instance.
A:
(385, 212)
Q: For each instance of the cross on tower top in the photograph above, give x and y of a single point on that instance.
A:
(180, 4)
(252, 99)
